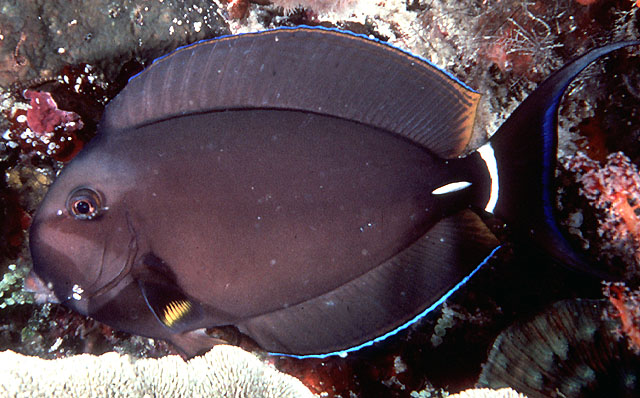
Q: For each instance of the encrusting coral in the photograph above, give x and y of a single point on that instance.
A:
(570, 351)
(10, 287)
(320, 6)
(225, 371)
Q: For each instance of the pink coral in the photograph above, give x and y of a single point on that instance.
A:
(626, 309)
(615, 190)
(525, 41)
(43, 129)
(44, 115)
(238, 8)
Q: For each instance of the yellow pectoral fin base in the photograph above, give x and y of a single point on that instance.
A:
(175, 311)
(170, 305)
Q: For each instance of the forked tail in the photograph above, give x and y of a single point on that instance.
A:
(525, 150)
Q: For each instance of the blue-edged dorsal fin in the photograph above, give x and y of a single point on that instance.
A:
(525, 148)
(382, 301)
(316, 70)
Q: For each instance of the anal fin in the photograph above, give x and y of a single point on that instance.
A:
(386, 298)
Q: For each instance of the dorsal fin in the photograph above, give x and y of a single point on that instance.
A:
(308, 69)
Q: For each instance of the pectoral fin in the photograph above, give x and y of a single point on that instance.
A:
(172, 308)
(170, 305)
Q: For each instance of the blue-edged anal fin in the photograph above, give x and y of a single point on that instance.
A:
(382, 301)
(525, 149)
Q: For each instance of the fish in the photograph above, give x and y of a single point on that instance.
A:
(307, 186)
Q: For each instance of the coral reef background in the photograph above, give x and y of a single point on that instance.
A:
(75, 56)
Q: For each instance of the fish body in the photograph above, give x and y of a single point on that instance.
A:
(280, 188)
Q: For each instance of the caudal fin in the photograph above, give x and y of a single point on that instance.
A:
(525, 150)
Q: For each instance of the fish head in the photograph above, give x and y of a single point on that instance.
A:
(90, 254)
(82, 240)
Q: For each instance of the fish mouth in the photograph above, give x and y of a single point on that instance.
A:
(42, 293)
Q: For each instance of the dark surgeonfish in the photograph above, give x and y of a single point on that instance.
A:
(303, 185)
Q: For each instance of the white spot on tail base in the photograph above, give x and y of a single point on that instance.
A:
(451, 187)
(489, 157)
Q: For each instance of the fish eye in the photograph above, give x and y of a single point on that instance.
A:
(85, 203)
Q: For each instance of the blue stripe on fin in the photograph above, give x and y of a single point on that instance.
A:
(445, 297)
